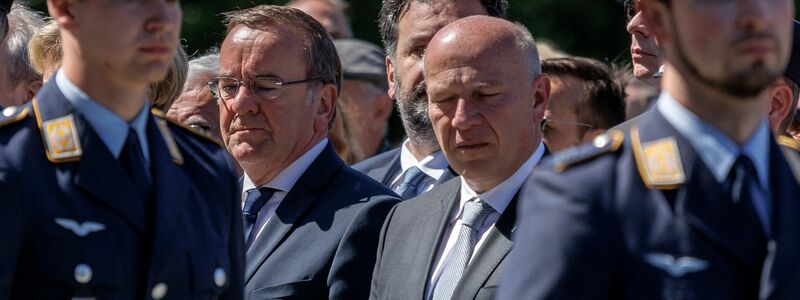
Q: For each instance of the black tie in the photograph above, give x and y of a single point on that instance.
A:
(740, 181)
(256, 198)
(132, 161)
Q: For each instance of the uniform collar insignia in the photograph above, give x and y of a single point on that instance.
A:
(659, 162)
(60, 137)
(174, 151)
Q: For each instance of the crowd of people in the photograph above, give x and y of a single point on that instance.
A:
(262, 169)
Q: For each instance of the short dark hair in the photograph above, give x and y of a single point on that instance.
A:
(323, 60)
(393, 10)
(603, 104)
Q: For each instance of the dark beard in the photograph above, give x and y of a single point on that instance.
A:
(745, 84)
(413, 110)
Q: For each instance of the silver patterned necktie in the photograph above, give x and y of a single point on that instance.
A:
(473, 216)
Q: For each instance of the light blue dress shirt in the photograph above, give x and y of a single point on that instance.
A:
(112, 129)
(719, 153)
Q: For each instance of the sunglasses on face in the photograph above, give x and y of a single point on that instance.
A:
(631, 9)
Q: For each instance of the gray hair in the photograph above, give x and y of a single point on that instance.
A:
(208, 63)
(392, 11)
(23, 24)
(524, 40)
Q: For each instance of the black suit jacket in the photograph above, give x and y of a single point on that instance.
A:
(63, 208)
(386, 166)
(410, 239)
(612, 237)
(321, 242)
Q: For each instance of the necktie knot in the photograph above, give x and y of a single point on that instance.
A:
(256, 198)
(408, 188)
(475, 213)
(131, 159)
(741, 175)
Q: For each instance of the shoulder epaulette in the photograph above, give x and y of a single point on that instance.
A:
(158, 113)
(607, 143)
(788, 142)
(13, 114)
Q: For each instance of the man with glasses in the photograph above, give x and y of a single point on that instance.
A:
(311, 223)
(584, 101)
(102, 197)
(695, 200)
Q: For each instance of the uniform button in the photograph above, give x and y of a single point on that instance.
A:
(83, 273)
(159, 291)
(220, 278)
(601, 141)
(8, 111)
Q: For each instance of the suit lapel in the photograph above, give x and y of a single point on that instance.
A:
(443, 200)
(494, 249)
(449, 173)
(783, 258)
(97, 172)
(389, 170)
(170, 193)
(297, 201)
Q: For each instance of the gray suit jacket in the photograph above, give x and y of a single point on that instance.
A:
(385, 166)
(321, 242)
(410, 239)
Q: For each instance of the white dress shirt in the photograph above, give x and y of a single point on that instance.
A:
(284, 182)
(433, 165)
(498, 198)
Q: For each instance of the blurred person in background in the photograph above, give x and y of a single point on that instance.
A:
(165, 92)
(330, 13)
(585, 101)
(364, 106)
(18, 81)
(645, 55)
(196, 107)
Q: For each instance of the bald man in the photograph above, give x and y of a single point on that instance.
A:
(484, 83)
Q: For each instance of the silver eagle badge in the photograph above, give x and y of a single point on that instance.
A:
(80, 229)
(676, 267)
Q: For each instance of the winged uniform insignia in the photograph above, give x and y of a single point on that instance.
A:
(80, 229)
(676, 267)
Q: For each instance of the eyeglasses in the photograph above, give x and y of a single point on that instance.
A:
(631, 9)
(546, 124)
(226, 88)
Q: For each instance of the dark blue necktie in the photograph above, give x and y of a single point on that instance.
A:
(255, 200)
(132, 161)
(740, 182)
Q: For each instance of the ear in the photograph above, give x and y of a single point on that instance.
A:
(390, 77)
(326, 106)
(33, 88)
(780, 102)
(60, 11)
(541, 96)
(656, 12)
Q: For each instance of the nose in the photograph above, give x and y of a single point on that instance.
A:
(754, 15)
(466, 115)
(639, 26)
(245, 102)
(163, 16)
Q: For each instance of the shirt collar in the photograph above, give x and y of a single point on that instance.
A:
(500, 196)
(289, 176)
(112, 129)
(717, 151)
(433, 165)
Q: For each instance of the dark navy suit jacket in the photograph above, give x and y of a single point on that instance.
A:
(61, 213)
(386, 166)
(590, 229)
(322, 240)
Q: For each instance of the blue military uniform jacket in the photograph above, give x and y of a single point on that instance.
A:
(641, 224)
(71, 225)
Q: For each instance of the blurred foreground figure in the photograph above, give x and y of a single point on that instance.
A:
(329, 13)
(695, 200)
(483, 82)
(311, 223)
(102, 198)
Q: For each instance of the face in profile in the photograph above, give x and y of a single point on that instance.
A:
(645, 58)
(196, 107)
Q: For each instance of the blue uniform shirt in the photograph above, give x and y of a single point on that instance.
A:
(719, 153)
(112, 129)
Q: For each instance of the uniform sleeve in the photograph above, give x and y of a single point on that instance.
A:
(351, 269)
(11, 232)
(560, 243)
(374, 287)
(236, 250)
